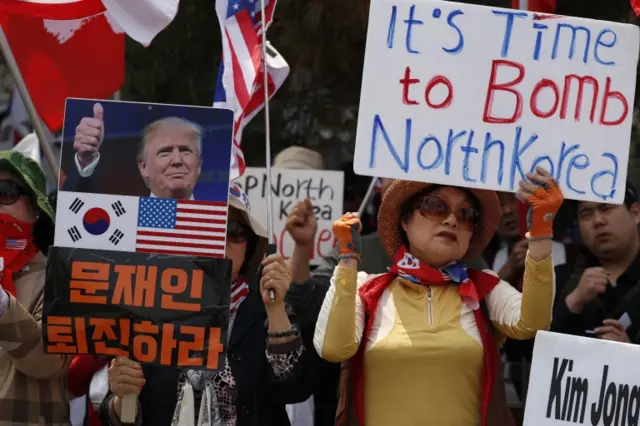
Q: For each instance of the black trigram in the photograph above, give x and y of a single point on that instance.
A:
(116, 237)
(118, 208)
(76, 205)
(74, 233)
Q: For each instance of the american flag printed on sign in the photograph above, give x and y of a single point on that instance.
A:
(194, 228)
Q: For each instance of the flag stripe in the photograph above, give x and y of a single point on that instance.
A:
(180, 250)
(177, 236)
(204, 227)
(199, 233)
(178, 242)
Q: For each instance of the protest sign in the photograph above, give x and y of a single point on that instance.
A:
(135, 181)
(579, 380)
(478, 96)
(324, 188)
(166, 310)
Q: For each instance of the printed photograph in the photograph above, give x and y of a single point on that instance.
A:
(139, 149)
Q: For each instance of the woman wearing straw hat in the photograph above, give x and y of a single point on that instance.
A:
(419, 338)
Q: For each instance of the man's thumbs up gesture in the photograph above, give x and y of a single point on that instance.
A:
(89, 136)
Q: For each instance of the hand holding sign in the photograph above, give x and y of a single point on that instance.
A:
(89, 135)
(302, 224)
(276, 276)
(125, 380)
(545, 198)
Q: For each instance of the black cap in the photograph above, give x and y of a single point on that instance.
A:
(630, 194)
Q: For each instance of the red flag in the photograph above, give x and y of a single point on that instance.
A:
(64, 9)
(542, 6)
(635, 5)
(81, 58)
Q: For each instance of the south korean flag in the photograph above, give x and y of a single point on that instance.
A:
(96, 221)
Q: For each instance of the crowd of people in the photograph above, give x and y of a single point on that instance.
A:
(409, 321)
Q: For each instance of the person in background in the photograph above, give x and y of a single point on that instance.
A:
(266, 365)
(419, 338)
(32, 383)
(81, 371)
(600, 293)
(301, 158)
(509, 263)
(509, 259)
(298, 157)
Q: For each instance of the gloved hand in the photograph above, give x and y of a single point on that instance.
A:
(347, 232)
(545, 198)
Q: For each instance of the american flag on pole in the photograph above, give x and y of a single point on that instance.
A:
(193, 228)
(239, 84)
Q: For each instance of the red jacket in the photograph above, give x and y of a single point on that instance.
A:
(81, 371)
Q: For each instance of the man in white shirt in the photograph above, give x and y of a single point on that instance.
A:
(169, 157)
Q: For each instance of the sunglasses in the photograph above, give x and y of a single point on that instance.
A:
(10, 192)
(237, 232)
(435, 208)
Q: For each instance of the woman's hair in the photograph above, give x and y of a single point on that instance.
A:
(252, 242)
(410, 205)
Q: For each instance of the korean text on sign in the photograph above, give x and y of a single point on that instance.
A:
(477, 96)
(167, 310)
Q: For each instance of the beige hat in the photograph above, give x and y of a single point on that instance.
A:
(298, 157)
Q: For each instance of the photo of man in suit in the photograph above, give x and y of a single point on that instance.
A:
(169, 155)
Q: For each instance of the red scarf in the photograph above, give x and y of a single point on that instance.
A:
(473, 287)
(16, 249)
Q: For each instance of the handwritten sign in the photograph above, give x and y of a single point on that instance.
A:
(478, 96)
(325, 188)
(577, 380)
(166, 310)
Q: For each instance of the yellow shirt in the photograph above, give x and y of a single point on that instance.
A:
(424, 355)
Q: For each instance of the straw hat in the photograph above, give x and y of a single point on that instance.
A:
(401, 191)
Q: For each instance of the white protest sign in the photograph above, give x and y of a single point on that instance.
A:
(324, 188)
(478, 96)
(578, 380)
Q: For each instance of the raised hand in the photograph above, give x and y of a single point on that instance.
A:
(545, 198)
(89, 136)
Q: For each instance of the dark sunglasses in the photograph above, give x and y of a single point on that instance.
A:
(437, 209)
(10, 192)
(237, 232)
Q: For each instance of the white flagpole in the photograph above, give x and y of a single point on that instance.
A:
(267, 136)
(39, 128)
(367, 196)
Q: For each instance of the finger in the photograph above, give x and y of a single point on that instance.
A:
(543, 172)
(605, 329)
(611, 337)
(273, 258)
(127, 380)
(295, 221)
(125, 370)
(90, 123)
(98, 111)
(276, 276)
(308, 205)
(273, 268)
(614, 323)
(539, 179)
(87, 146)
(528, 187)
(123, 360)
